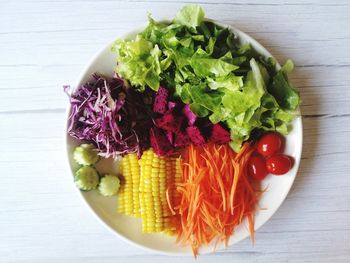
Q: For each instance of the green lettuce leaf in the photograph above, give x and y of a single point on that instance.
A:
(208, 100)
(230, 82)
(139, 62)
(190, 16)
(199, 110)
(284, 92)
(207, 67)
(204, 67)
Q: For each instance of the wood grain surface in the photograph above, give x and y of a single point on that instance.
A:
(45, 44)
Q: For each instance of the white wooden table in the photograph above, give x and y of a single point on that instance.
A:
(45, 44)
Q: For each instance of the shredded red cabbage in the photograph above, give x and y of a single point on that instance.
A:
(116, 119)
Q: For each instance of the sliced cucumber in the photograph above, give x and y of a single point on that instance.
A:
(86, 178)
(85, 154)
(109, 185)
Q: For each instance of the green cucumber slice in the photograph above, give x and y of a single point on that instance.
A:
(109, 185)
(86, 178)
(85, 154)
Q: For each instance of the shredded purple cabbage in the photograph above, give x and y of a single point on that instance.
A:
(116, 119)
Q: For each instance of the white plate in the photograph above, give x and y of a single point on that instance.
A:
(129, 228)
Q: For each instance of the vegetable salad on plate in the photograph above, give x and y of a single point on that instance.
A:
(197, 119)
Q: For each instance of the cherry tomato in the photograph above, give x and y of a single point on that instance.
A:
(257, 167)
(279, 164)
(270, 144)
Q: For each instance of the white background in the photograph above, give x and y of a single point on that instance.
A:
(45, 44)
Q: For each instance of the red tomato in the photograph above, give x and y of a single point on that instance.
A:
(257, 167)
(279, 164)
(270, 144)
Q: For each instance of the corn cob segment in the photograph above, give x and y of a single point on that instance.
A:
(129, 191)
(135, 175)
(149, 189)
(145, 188)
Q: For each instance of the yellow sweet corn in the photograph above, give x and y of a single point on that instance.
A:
(144, 190)
(135, 175)
(173, 179)
(129, 201)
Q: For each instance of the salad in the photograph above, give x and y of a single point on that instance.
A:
(197, 120)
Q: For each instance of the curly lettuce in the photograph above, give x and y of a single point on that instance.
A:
(205, 66)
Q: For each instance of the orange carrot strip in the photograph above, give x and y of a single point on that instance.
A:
(251, 226)
(214, 196)
(169, 202)
(218, 178)
(234, 183)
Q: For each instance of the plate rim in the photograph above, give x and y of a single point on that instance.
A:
(78, 83)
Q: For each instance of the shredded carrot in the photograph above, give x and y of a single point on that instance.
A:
(169, 202)
(216, 194)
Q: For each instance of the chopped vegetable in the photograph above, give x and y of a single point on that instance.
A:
(160, 142)
(286, 95)
(85, 154)
(191, 117)
(86, 178)
(157, 174)
(109, 185)
(129, 200)
(190, 16)
(210, 70)
(215, 194)
(171, 121)
(195, 135)
(146, 188)
(160, 104)
(115, 119)
(219, 134)
(181, 140)
(177, 126)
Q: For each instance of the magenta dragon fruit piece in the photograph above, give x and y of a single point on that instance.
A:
(195, 135)
(170, 137)
(219, 134)
(171, 105)
(160, 143)
(191, 117)
(161, 100)
(182, 140)
(170, 122)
